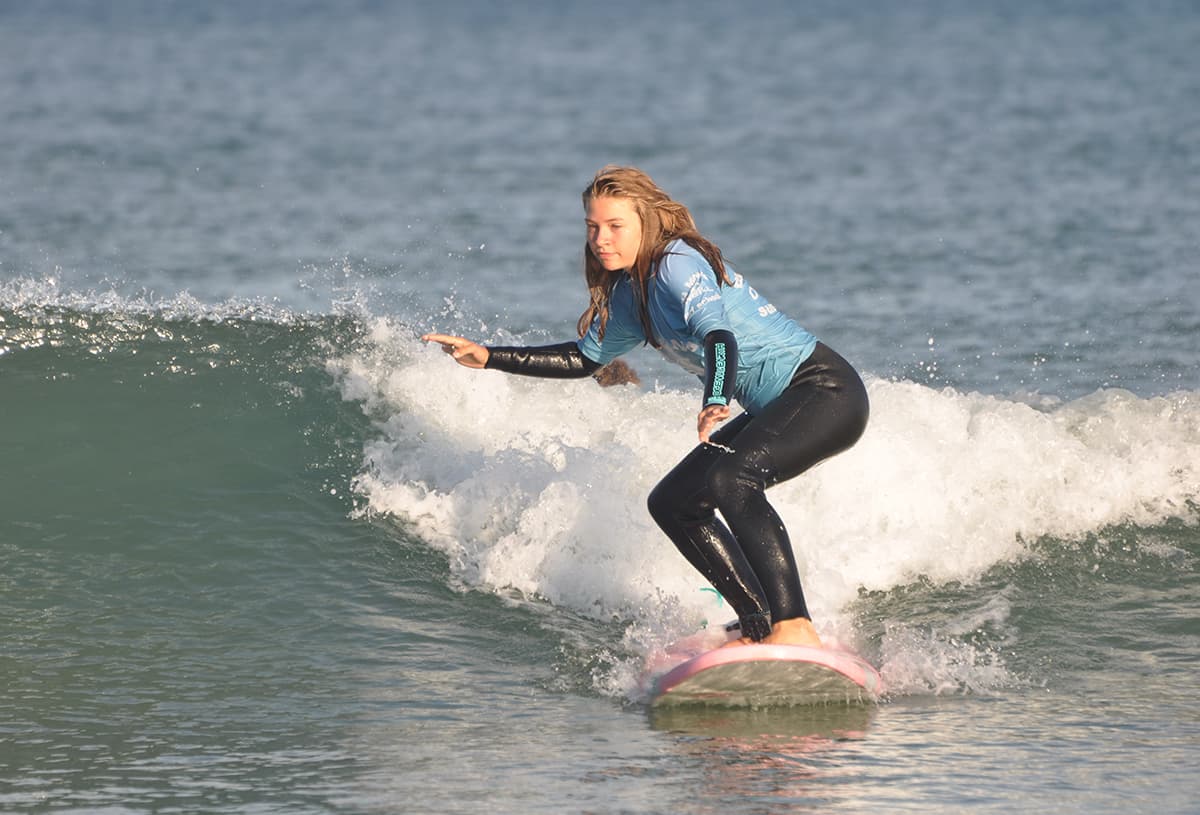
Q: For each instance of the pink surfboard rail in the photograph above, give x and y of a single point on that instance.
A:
(767, 674)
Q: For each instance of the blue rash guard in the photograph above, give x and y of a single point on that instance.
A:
(685, 304)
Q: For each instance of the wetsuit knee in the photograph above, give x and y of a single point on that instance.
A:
(732, 475)
(659, 502)
(681, 497)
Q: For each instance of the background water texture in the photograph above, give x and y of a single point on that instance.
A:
(262, 550)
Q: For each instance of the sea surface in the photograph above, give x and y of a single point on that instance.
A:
(262, 550)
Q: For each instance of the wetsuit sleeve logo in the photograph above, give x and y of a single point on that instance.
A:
(718, 383)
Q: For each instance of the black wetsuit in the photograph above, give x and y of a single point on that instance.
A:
(822, 412)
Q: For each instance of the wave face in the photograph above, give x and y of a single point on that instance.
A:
(534, 491)
(539, 488)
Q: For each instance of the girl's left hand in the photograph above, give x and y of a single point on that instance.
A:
(710, 416)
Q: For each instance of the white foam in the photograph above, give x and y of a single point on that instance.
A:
(540, 486)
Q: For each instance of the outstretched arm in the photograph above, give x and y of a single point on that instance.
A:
(465, 352)
(560, 361)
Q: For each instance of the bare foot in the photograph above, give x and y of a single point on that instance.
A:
(796, 631)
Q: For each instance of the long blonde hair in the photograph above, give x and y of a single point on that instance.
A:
(663, 220)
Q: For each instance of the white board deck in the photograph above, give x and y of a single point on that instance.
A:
(765, 675)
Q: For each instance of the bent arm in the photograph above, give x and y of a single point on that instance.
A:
(720, 367)
(560, 361)
(720, 375)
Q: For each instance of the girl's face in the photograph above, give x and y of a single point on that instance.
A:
(614, 232)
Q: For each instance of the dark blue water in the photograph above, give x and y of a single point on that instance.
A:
(260, 549)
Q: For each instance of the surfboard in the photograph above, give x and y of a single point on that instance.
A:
(769, 675)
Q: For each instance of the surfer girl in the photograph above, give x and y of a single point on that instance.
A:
(653, 278)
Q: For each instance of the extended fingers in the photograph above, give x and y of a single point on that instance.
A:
(449, 342)
(465, 352)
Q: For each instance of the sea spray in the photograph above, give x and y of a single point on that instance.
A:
(539, 486)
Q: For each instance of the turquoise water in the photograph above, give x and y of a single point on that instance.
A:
(262, 550)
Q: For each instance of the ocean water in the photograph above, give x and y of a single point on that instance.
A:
(261, 550)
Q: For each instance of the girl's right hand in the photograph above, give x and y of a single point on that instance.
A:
(465, 352)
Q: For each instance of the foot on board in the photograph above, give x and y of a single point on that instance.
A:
(797, 631)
